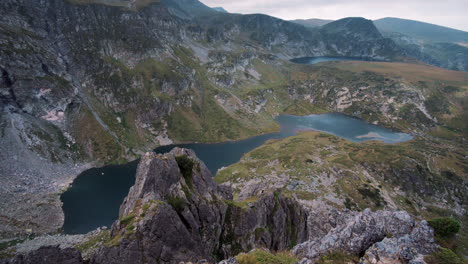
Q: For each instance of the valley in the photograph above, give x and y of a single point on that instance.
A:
(93, 84)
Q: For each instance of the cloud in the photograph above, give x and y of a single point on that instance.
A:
(450, 13)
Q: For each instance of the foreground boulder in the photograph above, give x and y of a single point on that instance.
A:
(381, 236)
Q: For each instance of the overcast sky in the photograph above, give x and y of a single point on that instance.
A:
(449, 13)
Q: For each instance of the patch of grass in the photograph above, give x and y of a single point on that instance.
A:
(114, 241)
(264, 257)
(349, 204)
(5, 245)
(369, 192)
(246, 259)
(177, 203)
(186, 164)
(127, 219)
(445, 227)
(443, 256)
(94, 241)
(98, 142)
(412, 72)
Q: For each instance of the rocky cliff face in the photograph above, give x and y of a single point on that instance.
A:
(353, 37)
(175, 212)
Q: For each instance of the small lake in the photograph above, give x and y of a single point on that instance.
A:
(314, 60)
(95, 196)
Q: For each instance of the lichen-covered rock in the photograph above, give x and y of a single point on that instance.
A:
(396, 250)
(367, 229)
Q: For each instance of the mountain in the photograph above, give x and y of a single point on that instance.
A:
(88, 83)
(422, 31)
(432, 44)
(220, 9)
(313, 22)
(354, 34)
(441, 46)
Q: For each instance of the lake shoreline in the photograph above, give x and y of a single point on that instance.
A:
(91, 197)
(318, 59)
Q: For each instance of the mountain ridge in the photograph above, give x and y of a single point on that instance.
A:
(312, 22)
(422, 30)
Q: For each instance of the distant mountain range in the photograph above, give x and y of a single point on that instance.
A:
(427, 32)
(433, 44)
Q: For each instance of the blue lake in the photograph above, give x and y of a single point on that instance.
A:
(314, 60)
(95, 196)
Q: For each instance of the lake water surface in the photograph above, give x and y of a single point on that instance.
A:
(95, 196)
(314, 60)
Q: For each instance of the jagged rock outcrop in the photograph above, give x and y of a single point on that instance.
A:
(408, 248)
(175, 212)
(382, 234)
(174, 218)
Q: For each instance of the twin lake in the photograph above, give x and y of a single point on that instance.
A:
(95, 196)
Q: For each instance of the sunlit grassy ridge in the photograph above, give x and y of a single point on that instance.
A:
(353, 175)
(408, 71)
(425, 176)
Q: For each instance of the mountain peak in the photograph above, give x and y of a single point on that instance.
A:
(365, 28)
(220, 9)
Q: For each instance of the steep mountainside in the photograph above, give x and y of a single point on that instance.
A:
(348, 35)
(422, 31)
(441, 46)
